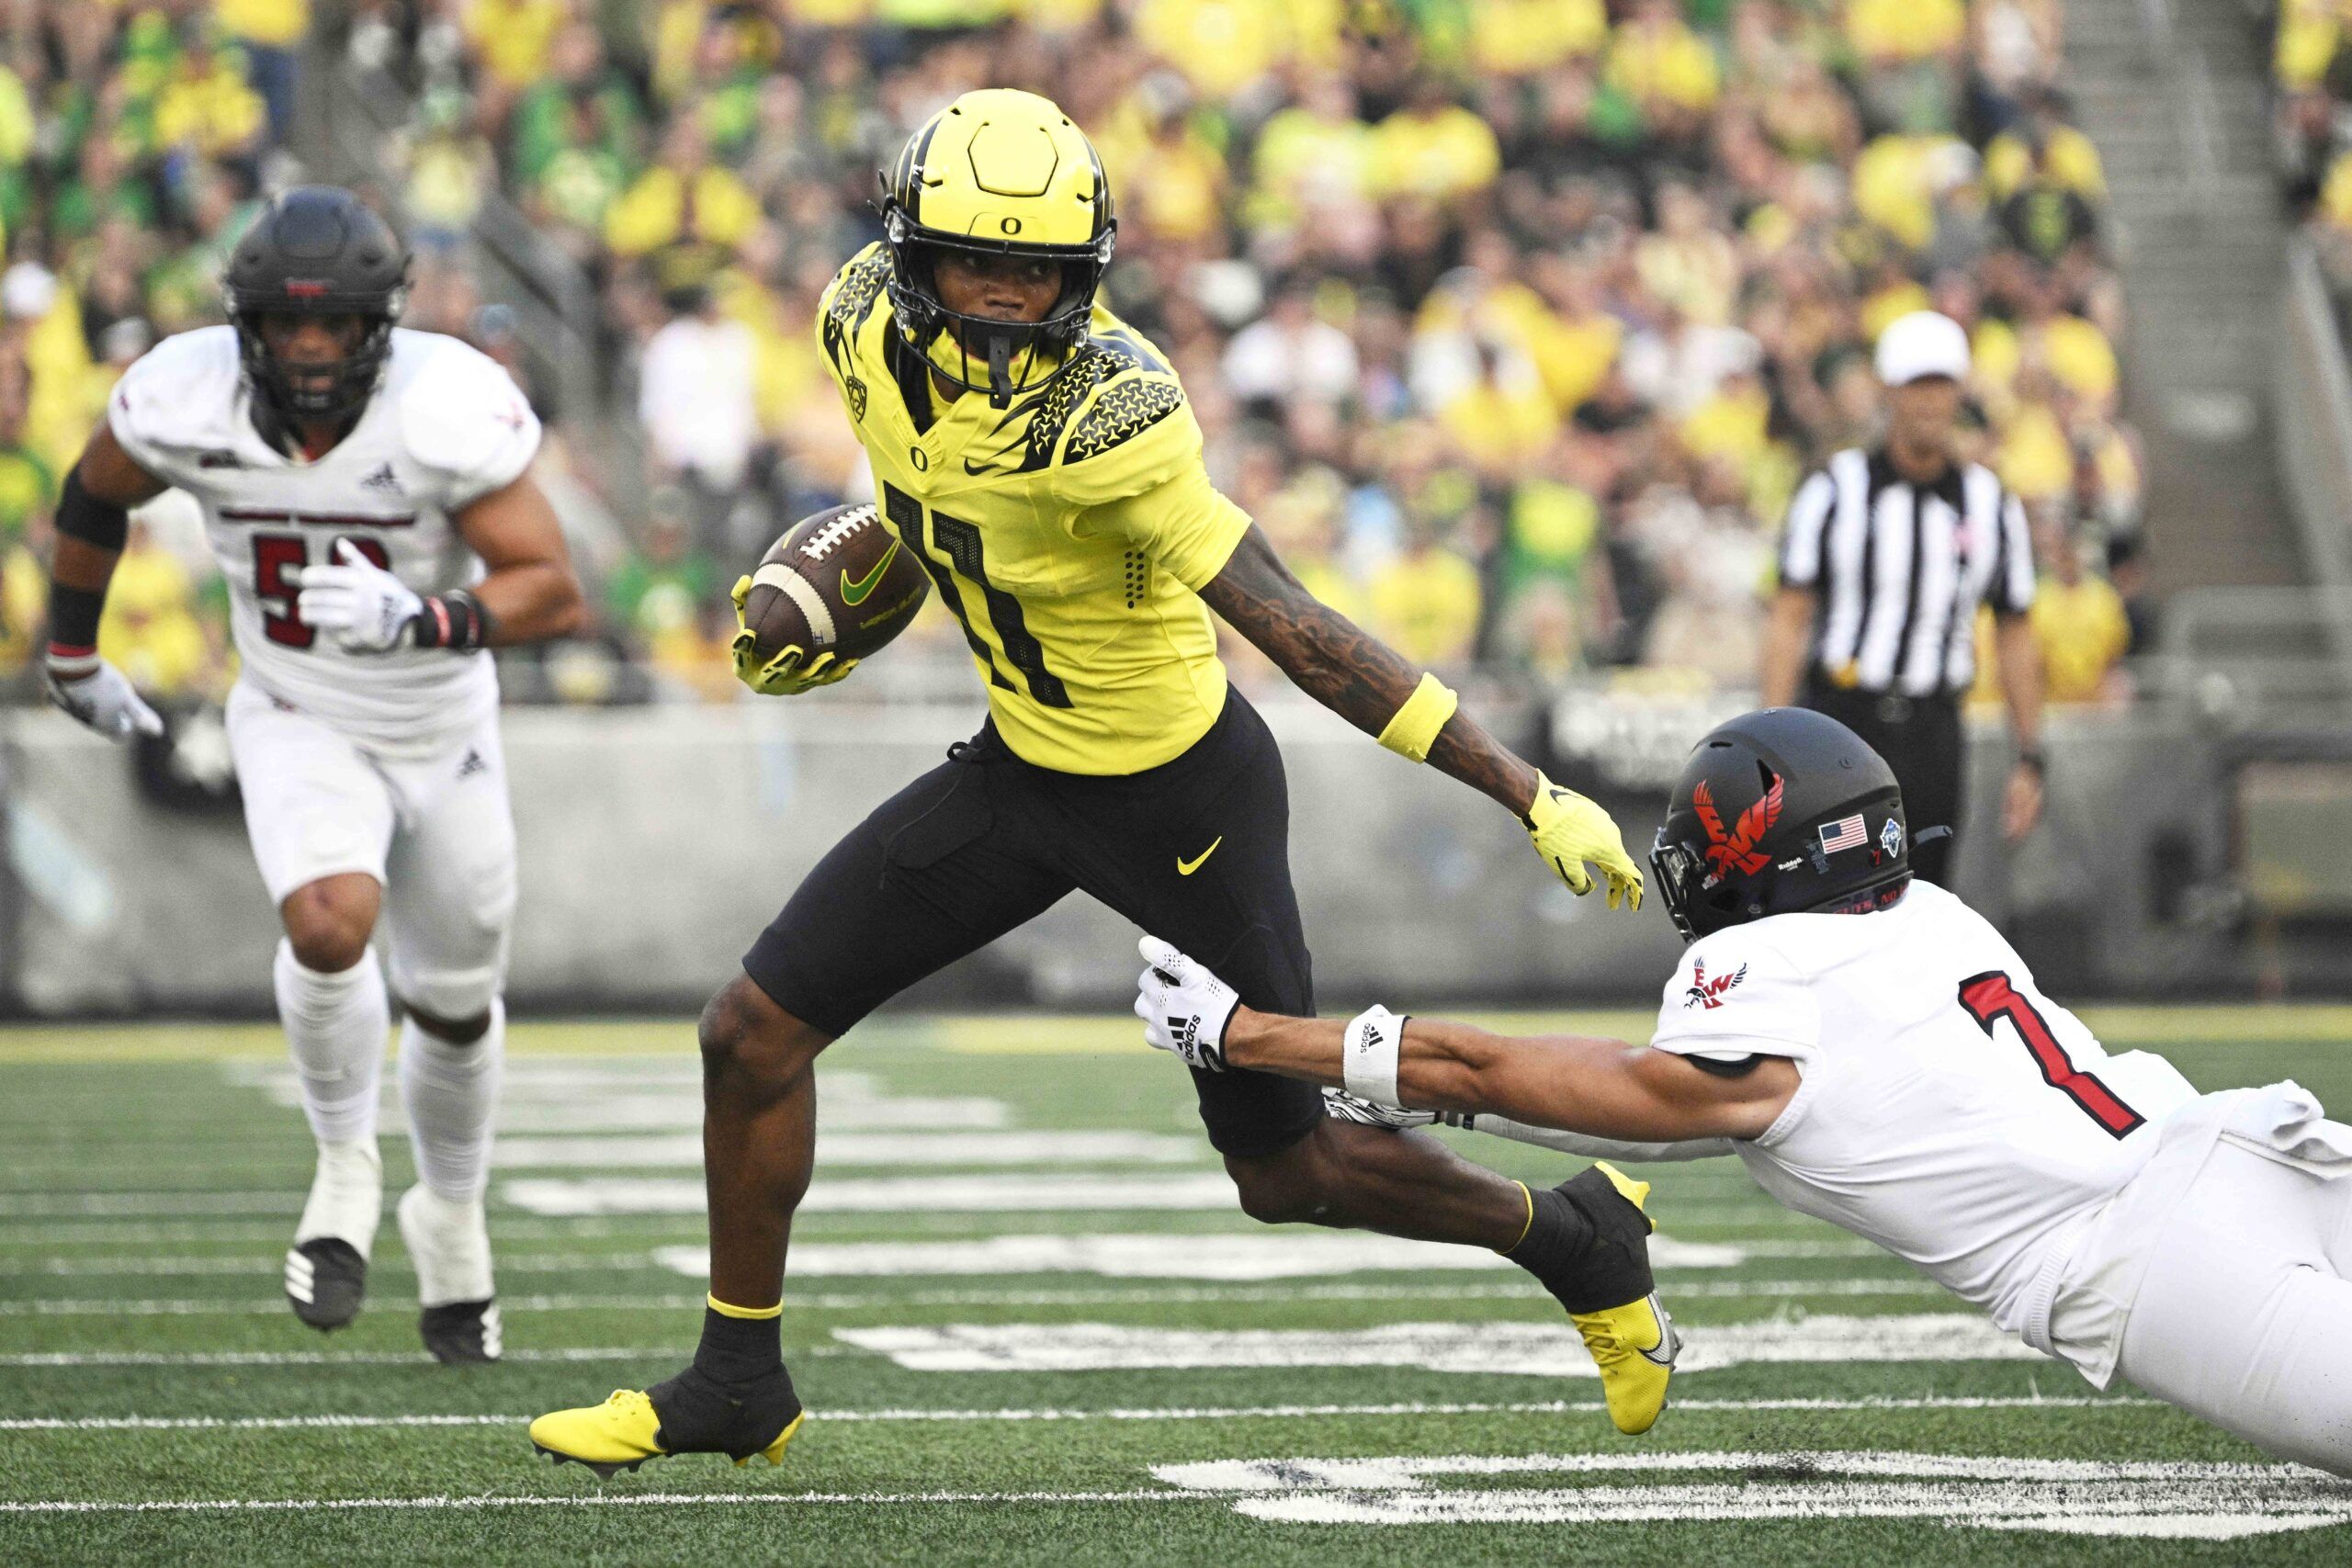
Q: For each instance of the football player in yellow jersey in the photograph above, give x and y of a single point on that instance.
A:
(1038, 459)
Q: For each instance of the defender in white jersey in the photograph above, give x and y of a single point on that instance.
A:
(366, 493)
(1879, 1056)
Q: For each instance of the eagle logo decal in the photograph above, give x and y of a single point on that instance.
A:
(1706, 993)
(1736, 851)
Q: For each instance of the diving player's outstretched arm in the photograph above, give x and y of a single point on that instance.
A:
(93, 522)
(1604, 1088)
(1369, 685)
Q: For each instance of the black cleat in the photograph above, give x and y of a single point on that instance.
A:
(325, 1280)
(462, 1333)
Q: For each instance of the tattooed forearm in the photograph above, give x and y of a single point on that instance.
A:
(1348, 669)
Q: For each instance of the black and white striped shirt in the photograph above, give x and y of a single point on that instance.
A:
(1900, 569)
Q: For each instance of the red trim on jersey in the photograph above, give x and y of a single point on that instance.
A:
(318, 519)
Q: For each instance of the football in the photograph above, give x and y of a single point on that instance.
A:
(837, 582)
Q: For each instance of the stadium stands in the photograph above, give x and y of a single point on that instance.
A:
(1515, 324)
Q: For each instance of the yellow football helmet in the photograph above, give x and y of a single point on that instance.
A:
(996, 173)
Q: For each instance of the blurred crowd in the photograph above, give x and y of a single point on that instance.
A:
(133, 141)
(2311, 109)
(1515, 322)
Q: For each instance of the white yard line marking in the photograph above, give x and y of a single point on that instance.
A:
(595, 1500)
(1437, 1290)
(1250, 1255)
(657, 1150)
(1210, 1191)
(1210, 1256)
(665, 1096)
(1406, 1471)
(961, 1194)
(1545, 1350)
(2181, 1500)
(337, 1358)
(1182, 1413)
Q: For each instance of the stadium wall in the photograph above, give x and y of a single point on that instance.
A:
(655, 842)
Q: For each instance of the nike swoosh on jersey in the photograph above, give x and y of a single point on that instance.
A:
(854, 592)
(1186, 867)
(976, 469)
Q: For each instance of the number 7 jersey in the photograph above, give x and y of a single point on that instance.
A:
(1948, 1111)
(446, 427)
(1068, 534)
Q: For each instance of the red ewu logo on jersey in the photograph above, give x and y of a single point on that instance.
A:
(1709, 993)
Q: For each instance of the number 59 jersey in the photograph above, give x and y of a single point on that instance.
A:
(1949, 1112)
(446, 427)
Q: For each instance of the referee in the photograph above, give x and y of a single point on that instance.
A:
(1887, 555)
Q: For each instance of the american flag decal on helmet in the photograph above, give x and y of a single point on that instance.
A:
(1844, 834)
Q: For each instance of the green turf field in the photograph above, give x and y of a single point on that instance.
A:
(1030, 1329)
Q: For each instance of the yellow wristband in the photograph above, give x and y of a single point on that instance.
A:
(1413, 731)
(725, 1309)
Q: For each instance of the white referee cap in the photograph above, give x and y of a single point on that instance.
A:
(1922, 344)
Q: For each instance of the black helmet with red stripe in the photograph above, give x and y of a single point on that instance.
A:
(317, 250)
(1778, 812)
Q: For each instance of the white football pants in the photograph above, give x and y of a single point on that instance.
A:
(2245, 1317)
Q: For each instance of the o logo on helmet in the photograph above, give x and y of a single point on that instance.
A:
(1010, 226)
(919, 458)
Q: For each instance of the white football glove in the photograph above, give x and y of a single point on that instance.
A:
(367, 608)
(96, 694)
(1184, 1008)
(1346, 1107)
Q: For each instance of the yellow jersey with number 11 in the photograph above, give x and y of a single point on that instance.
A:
(1069, 533)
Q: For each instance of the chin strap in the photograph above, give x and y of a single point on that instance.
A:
(1000, 371)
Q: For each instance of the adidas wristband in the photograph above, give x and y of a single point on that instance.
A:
(1368, 1050)
(454, 620)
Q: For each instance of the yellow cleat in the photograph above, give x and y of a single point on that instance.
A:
(1634, 1345)
(624, 1432)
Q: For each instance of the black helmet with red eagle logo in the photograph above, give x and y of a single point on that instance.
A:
(1777, 812)
(317, 251)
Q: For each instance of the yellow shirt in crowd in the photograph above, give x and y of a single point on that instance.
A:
(1904, 29)
(1515, 37)
(2083, 631)
(1426, 603)
(1445, 154)
(274, 24)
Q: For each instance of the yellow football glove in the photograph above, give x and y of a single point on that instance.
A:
(789, 671)
(1568, 830)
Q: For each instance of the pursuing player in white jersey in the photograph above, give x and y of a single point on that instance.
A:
(1879, 1056)
(365, 490)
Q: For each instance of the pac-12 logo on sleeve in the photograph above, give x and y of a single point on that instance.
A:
(1706, 993)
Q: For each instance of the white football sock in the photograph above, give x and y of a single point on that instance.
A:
(346, 1195)
(451, 1092)
(335, 1026)
(450, 1246)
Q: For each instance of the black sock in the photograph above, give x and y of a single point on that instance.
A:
(739, 1349)
(1588, 1244)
